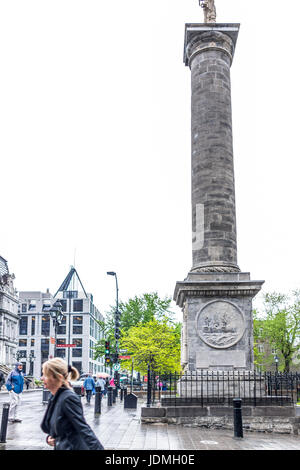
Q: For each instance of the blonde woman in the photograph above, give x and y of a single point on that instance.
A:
(64, 421)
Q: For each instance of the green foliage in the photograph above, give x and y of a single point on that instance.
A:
(156, 342)
(136, 311)
(38, 383)
(279, 326)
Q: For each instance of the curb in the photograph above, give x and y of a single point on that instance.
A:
(3, 392)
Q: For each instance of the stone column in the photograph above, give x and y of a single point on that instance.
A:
(209, 54)
(216, 297)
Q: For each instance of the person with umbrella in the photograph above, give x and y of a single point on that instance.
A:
(101, 382)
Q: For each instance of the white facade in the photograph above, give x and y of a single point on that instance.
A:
(36, 333)
(8, 316)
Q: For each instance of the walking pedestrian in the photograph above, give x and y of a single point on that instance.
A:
(101, 383)
(15, 384)
(63, 421)
(2, 379)
(112, 382)
(89, 386)
(27, 383)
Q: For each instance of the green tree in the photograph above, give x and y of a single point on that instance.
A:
(138, 310)
(279, 325)
(156, 342)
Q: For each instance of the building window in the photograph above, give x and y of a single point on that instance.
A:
(44, 349)
(24, 308)
(60, 352)
(46, 325)
(22, 353)
(92, 326)
(32, 326)
(32, 342)
(77, 325)
(78, 305)
(32, 305)
(61, 329)
(77, 351)
(70, 294)
(23, 325)
(23, 343)
(64, 305)
(77, 330)
(78, 366)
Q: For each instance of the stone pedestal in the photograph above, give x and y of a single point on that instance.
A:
(217, 328)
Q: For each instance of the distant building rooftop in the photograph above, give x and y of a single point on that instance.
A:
(3, 266)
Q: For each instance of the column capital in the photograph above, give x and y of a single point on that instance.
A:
(203, 37)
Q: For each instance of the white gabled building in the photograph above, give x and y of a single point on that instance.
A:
(79, 327)
(8, 316)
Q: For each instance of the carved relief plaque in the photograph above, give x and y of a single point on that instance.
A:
(220, 324)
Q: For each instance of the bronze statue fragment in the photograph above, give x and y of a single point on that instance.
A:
(209, 10)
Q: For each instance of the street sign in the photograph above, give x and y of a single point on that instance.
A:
(116, 367)
(66, 345)
(124, 357)
(123, 350)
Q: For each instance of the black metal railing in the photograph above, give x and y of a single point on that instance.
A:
(202, 388)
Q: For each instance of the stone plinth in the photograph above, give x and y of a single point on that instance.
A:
(217, 332)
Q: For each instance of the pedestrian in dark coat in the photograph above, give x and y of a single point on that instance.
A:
(63, 420)
(2, 379)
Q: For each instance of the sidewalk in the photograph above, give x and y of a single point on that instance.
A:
(120, 429)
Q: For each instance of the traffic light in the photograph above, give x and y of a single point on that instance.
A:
(117, 324)
(115, 358)
(107, 352)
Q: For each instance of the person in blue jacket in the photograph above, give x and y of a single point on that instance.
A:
(89, 386)
(14, 384)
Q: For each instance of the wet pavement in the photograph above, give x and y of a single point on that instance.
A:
(120, 429)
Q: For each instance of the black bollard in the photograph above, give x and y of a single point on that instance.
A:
(98, 397)
(109, 396)
(125, 392)
(46, 396)
(4, 421)
(148, 387)
(237, 418)
(114, 395)
(121, 393)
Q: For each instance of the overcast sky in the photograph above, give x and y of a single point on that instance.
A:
(95, 142)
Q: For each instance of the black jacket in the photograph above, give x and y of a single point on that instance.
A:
(65, 422)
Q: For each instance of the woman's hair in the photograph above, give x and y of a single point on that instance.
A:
(58, 368)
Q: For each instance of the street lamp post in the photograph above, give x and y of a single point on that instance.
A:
(276, 359)
(57, 316)
(31, 359)
(117, 322)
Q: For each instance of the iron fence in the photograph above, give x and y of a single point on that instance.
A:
(202, 388)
